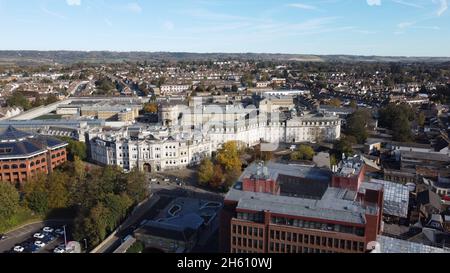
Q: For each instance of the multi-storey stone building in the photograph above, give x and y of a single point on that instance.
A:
(139, 148)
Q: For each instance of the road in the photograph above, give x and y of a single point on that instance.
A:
(26, 232)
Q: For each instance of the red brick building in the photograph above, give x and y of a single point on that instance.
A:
(23, 155)
(295, 209)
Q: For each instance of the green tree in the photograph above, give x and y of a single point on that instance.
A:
(344, 145)
(357, 125)
(18, 100)
(304, 152)
(353, 104)
(57, 191)
(206, 171)
(137, 186)
(421, 119)
(35, 194)
(9, 200)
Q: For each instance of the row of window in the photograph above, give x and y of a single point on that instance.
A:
(22, 165)
(246, 242)
(317, 225)
(251, 231)
(58, 154)
(312, 240)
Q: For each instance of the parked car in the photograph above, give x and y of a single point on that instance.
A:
(19, 249)
(39, 236)
(59, 231)
(48, 230)
(3, 237)
(39, 244)
(59, 250)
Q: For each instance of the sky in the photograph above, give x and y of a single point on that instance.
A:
(356, 27)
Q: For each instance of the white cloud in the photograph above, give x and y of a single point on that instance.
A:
(405, 24)
(134, 7)
(73, 2)
(168, 25)
(409, 4)
(302, 6)
(374, 2)
(443, 6)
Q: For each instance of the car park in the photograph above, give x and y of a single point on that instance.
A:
(39, 236)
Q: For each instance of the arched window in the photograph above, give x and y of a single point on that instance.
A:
(6, 167)
(32, 164)
(58, 155)
(53, 156)
(43, 160)
(14, 166)
(23, 166)
(38, 162)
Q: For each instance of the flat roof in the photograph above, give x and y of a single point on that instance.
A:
(392, 245)
(396, 197)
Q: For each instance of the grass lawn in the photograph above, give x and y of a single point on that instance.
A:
(22, 217)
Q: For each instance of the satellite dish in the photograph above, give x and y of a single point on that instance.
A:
(73, 247)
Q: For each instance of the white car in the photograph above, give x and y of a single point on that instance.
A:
(48, 230)
(59, 231)
(59, 250)
(39, 236)
(19, 249)
(39, 244)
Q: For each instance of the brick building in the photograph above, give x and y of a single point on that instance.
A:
(295, 209)
(23, 155)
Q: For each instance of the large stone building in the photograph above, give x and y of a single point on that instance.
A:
(249, 125)
(147, 150)
(24, 155)
(296, 209)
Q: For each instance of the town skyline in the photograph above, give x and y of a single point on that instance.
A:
(338, 27)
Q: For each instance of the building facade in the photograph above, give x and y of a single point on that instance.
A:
(271, 211)
(146, 151)
(24, 155)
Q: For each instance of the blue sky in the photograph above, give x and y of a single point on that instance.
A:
(363, 27)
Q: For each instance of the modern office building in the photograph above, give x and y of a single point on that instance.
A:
(281, 208)
(24, 155)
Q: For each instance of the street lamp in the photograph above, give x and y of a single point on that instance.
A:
(65, 237)
(85, 244)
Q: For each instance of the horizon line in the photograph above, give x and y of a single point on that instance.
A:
(218, 52)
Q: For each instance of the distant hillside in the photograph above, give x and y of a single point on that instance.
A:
(70, 57)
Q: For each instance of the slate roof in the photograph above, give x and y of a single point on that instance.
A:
(15, 143)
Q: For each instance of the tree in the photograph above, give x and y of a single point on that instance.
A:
(228, 156)
(75, 148)
(304, 152)
(118, 206)
(421, 119)
(344, 145)
(206, 171)
(353, 104)
(137, 186)
(51, 99)
(9, 200)
(151, 108)
(58, 194)
(357, 125)
(35, 193)
(18, 100)
(335, 102)
(218, 178)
